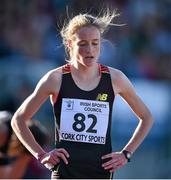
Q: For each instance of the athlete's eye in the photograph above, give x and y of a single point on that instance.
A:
(95, 44)
(82, 43)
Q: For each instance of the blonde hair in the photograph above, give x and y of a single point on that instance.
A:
(102, 22)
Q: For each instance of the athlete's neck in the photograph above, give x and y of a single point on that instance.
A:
(85, 72)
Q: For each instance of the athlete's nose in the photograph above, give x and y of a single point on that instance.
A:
(89, 49)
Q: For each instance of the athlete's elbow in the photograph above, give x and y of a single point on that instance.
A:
(151, 120)
(148, 119)
(16, 122)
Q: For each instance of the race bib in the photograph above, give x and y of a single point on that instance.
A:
(84, 120)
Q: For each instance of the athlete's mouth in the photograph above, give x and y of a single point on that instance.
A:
(89, 57)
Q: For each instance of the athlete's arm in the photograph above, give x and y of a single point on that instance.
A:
(123, 87)
(48, 85)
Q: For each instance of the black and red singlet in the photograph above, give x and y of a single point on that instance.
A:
(83, 126)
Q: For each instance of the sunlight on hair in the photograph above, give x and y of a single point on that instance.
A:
(102, 21)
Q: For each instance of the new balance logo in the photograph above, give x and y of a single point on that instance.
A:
(102, 97)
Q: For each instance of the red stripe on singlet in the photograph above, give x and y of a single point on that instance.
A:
(104, 69)
(66, 68)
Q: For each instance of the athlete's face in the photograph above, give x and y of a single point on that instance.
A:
(85, 45)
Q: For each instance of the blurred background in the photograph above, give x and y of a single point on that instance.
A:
(30, 46)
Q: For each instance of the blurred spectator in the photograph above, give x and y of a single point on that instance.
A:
(20, 161)
(5, 135)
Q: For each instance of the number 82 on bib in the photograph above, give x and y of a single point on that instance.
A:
(84, 121)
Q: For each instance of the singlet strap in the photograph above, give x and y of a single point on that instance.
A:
(103, 69)
(66, 68)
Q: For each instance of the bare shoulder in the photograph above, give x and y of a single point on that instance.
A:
(120, 81)
(51, 81)
(116, 73)
(54, 75)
